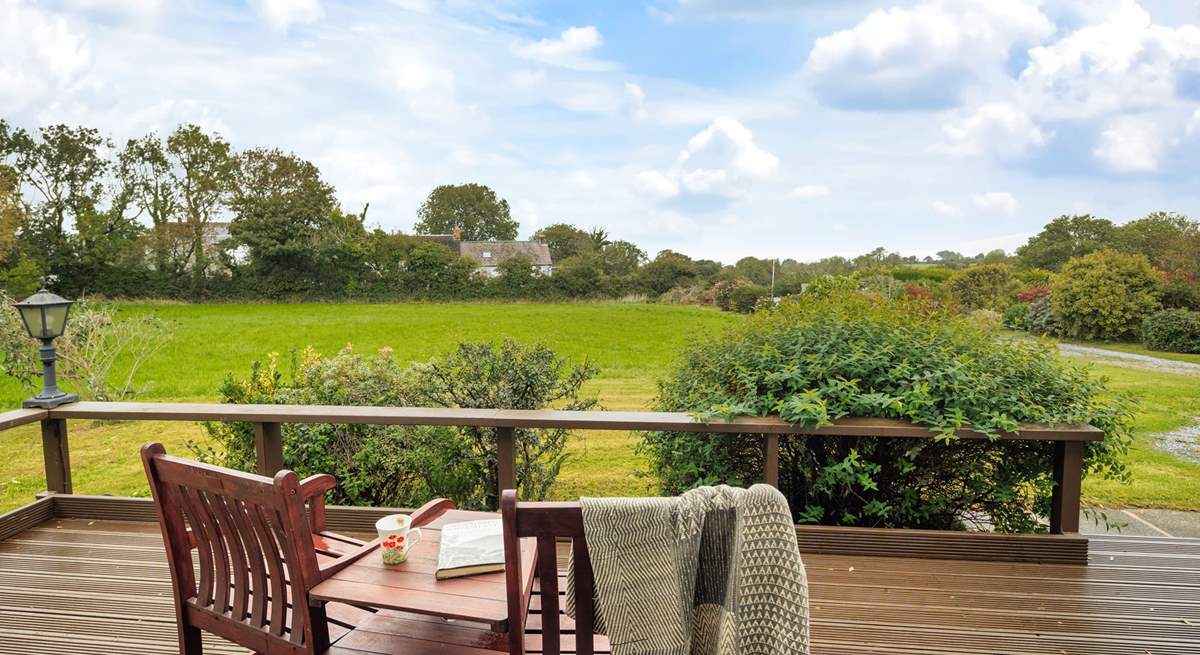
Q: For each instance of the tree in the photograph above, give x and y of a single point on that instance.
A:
(1065, 238)
(472, 208)
(146, 174)
(564, 240)
(621, 258)
(669, 269)
(1104, 295)
(281, 209)
(1171, 241)
(12, 211)
(64, 167)
(205, 169)
(516, 275)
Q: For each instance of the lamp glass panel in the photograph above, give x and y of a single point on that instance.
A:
(32, 317)
(56, 320)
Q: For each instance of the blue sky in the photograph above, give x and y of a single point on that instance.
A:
(718, 128)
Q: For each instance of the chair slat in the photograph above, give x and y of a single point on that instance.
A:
(279, 574)
(548, 574)
(232, 537)
(257, 558)
(220, 555)
(584, 598)
(203, 539)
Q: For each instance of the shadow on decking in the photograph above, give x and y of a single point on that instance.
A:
(85, 586)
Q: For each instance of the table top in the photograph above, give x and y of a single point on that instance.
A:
(411, 586)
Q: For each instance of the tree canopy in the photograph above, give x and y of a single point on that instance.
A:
(474, 209)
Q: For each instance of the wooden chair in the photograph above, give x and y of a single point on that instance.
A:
(261, 544)
(548, 522)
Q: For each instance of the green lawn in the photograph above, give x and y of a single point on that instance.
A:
(631, 344)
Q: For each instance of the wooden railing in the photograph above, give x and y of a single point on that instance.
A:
(1068, 441)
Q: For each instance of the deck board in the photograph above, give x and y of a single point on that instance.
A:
(80, 586)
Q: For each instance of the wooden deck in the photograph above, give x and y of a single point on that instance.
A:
(80, 586)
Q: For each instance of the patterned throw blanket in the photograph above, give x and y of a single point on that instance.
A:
(715, 571)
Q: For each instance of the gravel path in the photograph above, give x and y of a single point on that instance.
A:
(1129, 360)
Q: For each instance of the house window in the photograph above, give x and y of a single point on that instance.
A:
(487, 254)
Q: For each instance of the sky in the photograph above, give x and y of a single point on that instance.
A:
(717, 128)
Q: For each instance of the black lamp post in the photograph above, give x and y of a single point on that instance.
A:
(45, 318)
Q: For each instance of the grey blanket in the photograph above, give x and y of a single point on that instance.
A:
(715, 571)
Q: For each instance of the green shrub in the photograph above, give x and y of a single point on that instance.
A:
(918, 274)
(398, 466)
(988, 286)
(1039, 319)
(1181, 292)
(722, 292)
(825, 285)
(813, 360)
(1104, 295)
(1172, 330)
(744, 298)
(882, 286)
(1014, 316)
(1034, 277)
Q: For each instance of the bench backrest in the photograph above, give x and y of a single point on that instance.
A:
(547, 522)
(253, 543)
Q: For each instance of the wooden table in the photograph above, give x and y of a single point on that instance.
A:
(411, 586)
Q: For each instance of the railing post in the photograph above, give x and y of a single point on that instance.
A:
(1068, 478)
(268, 447)
(57, 455)
(771, 459)
(506, 459)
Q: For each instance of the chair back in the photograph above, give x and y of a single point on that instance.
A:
(255, 555)
(547, 522)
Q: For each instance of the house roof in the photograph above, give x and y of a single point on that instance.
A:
(491, 253)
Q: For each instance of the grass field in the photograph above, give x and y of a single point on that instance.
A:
(631, 344)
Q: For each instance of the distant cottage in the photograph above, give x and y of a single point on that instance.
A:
(490, 254)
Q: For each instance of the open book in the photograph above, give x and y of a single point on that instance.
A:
(470, 547)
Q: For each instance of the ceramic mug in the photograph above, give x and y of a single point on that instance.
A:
(396, 537)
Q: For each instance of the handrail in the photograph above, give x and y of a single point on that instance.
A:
(540, 418)
(1069, 440)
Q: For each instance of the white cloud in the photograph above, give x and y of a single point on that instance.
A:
(41, 55)
(282, 14)
(996, 128)
(1126, 62)
(808, 191)
(428, 88)
(656, 184)
(132, 8)
(721, 161)
(997, 201)
(922, 56)
(943, 208)
(569, 50)
(635, 99)
(1130, 145)
(1193, 126)
(581, 179)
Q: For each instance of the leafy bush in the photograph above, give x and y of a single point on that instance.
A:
(882, 286)
(1172, 330)
(988, 286)
(389, 465)
(1034, 277)
(917, 273)
(1014, 316)
(814, 360)
(1033, 293)
(1039, 319)
(1181, 292)
(690, 294)
(745, 298)
(825, 285)
(722, 292)
(1104, 295)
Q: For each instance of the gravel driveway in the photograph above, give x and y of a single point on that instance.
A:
(1129, 360)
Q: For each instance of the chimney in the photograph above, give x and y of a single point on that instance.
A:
(458, 234)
